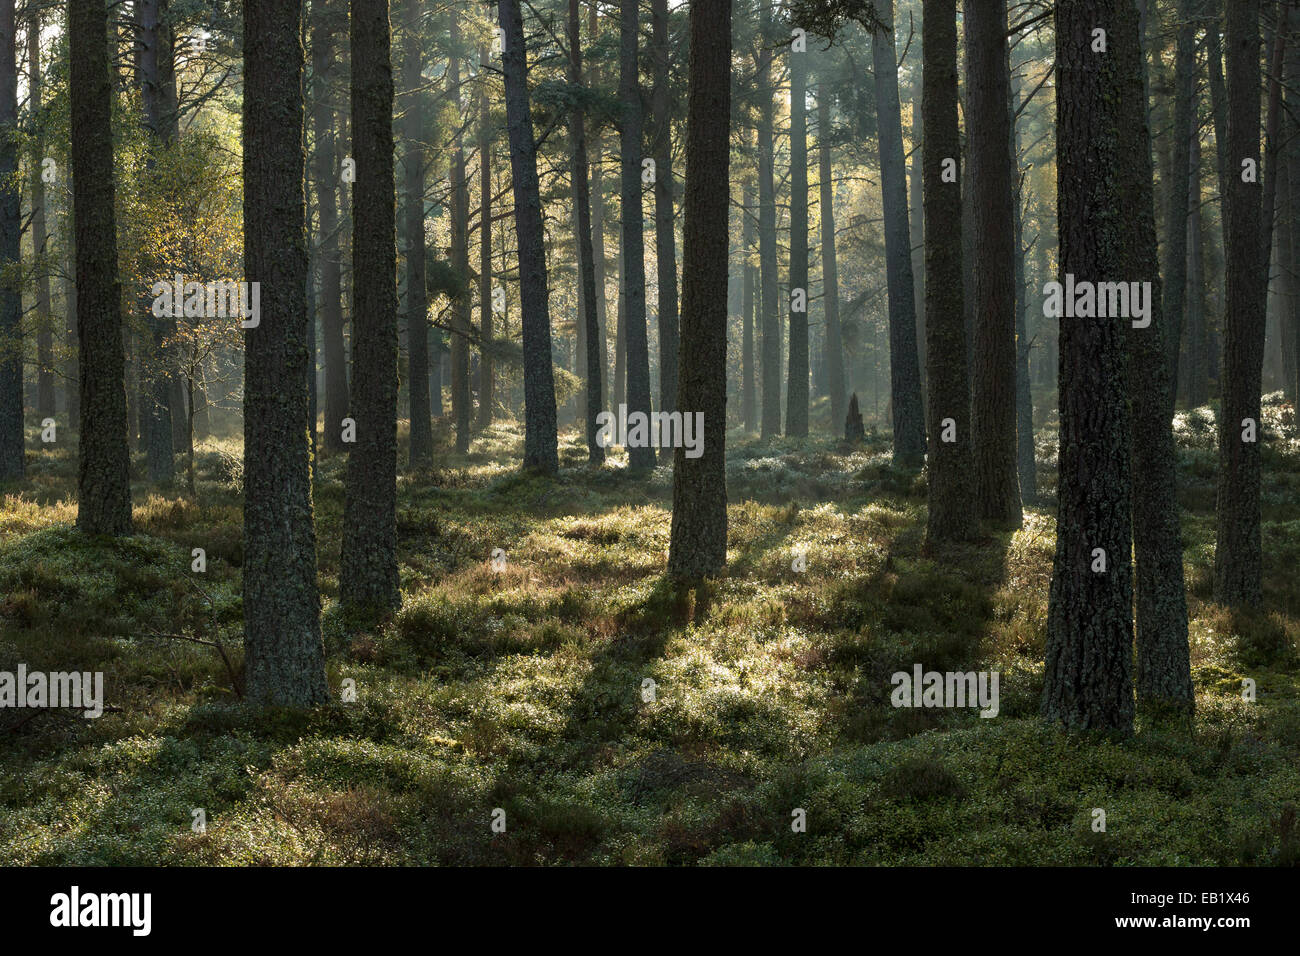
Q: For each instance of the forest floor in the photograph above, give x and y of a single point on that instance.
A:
(522, 688)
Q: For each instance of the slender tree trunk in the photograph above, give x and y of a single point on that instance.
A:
(1175, 259)
(699, 528)
(485, 367)
(103, 483)
(44, 320)
(830, 266)
(796, 409)
(284, 660)
(73, 390)
(904, 366)
(950, 483)
(748, 403)
(1237, 560)
(368, 567)
(917, 219)
(1196, 381)
(1088, 677)
(665, 240)
(540, 443)
(460, 309)
(1026, 467)
(638, 351)
(11, 302)
(590, 317)
(770, 343)
(993, 407)
(417, 301)
(325, 171)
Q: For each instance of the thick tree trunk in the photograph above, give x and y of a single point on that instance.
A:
(796, 409)
(830, 265)
(904, 366)
(368, 567)
(950, 483)
(1164, 680)
(699, 528)
(1088, 677)
(540, 443)
(993, 403)
(665, 240)
(72, 390)
(417, 301)
(638, 351)
(590, 317)
(1237, 561)
(284, 661)
(103, 482)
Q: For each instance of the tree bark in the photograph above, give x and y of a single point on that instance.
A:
(368, 567)
(417, 300)
(830, 265)
(460, 309)
(698, 545)
(950, 483)
(540, 443)
(103, 482)
(284, 661)
(638, 351)
(486, 371)
(748, 403)
(586, 254)
(11, 302)
(770, 326)
(993, 403)
(43, 319)
(665, 239)
(1088, 676)
(1237, 559)
(796, 408)
(904, 366)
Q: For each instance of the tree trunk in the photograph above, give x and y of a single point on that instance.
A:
(540, 443)
(993, 403)
(748, 297)
(1175, 259)
(796, 408)
(1237, 562)
(460, 308)
(590, 317)
(1164, 680)
(1088, 681)
(325, 171)
(638, 351)
(284, 660)
(665, 240)
(417, 301)
(1026, 467)
(699, 528)
(43, 319)
(770, 326)
(904, 366)
(1196, 382)
(103, 482)
(485, 368)
(830, 266)
(11, 302)
(368, 567)
(950, 482)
